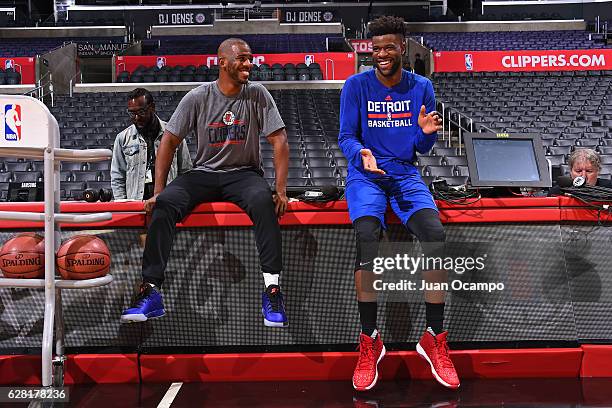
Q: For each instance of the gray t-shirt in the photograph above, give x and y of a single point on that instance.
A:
(227, 128)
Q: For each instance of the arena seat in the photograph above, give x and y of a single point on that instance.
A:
(569, 141)
(429, 160)
(439, 171)
(455, 160)
(556, 159)
(462, 170)
(510, 40)
(72, 190)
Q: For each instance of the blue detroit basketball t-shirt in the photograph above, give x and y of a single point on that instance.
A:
(384, 120)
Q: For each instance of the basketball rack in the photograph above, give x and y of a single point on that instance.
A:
(38, 137)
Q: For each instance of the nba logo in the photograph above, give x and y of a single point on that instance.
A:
(12, 122)
(161, 61)
(9, 64)
(309, 59)
(469, 62)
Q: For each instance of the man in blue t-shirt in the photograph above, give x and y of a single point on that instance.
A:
(386, 116)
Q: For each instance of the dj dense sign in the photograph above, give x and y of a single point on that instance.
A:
(308, 16)
(143, 18)
(531, 60)
(183, 18)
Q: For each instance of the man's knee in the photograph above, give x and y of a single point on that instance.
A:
(167, 205)
(367, 234)
(425, 224)
(367, 229)
(431, 235)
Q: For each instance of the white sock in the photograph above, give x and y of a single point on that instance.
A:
(374, 334)
(270, 279)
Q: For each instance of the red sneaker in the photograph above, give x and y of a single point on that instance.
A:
(434, 350)
(371, 351)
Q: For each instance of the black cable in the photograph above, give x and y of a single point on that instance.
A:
(587, 194)
(577, 194)
(441, 191)
(458, 197)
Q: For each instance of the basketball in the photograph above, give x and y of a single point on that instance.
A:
(83, 257)
(23, 256)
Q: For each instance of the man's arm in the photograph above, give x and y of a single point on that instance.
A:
(425, 141)
(350, 124)
(278, 140)
(118, 170)
(163, 160)
(183, 158)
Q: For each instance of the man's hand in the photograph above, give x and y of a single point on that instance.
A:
(431, 122)
(280, 203)
(150, 203)
(369, 162)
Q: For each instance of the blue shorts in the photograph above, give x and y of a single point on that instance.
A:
(369, 197)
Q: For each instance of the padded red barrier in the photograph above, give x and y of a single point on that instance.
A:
(597, 361)
(101, 369)
(79, 369)
(512, 210)
(123, 368)
(20, 369)
(519, 363)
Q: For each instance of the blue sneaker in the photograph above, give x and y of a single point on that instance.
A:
(273, 307)
(147, 305)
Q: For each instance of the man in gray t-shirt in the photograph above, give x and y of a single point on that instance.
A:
(229, 117)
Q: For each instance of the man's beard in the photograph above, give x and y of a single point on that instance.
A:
(236, 77)
(397, 64)
(149, 127)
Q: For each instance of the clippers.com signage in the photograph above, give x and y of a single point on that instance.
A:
(531, 60)
(24, 65)
(334, 65)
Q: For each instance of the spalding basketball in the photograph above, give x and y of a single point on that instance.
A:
(23, 256)
(83, 257)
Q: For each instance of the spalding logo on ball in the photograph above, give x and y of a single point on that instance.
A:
(83, 257)
(23, 256)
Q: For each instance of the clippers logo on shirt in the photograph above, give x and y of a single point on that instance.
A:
(389, 114)
(227, 131)
(12, 122)
(229, 118)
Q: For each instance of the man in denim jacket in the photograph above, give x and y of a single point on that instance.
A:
(133, 164)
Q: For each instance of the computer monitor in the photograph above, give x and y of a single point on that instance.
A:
(506, 160)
